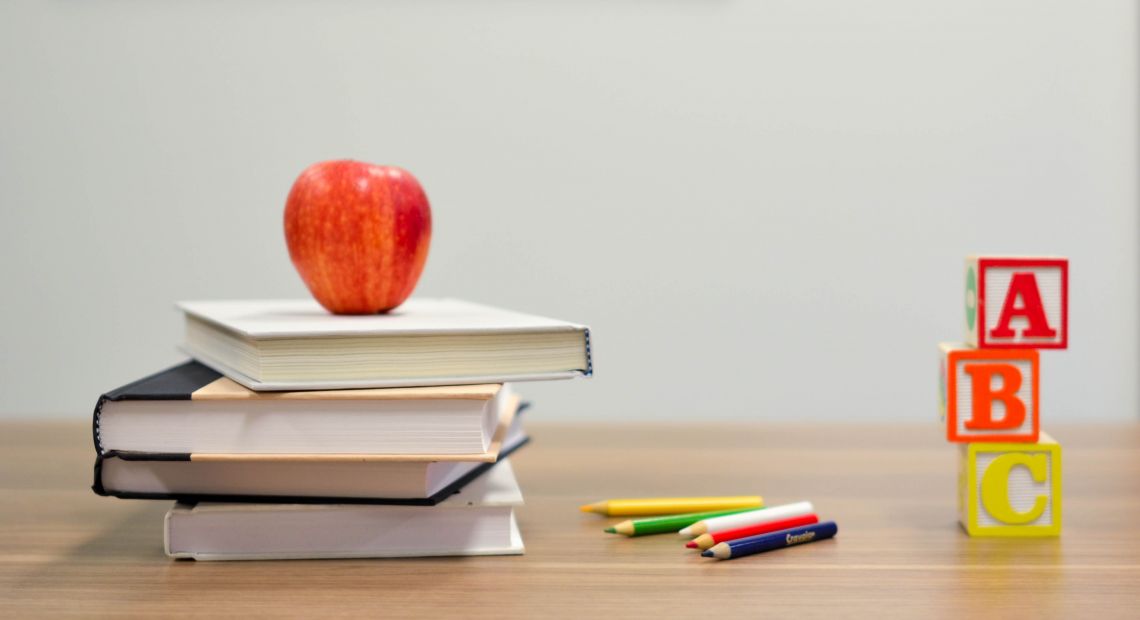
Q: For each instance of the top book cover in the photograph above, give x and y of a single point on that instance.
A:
(297, 345)
(1017, 302)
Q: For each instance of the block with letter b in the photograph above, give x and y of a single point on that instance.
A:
(1010, 489)
(1017, 302)
(990, 394)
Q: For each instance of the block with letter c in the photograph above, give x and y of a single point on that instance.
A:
(990, 394)
(1010, 489)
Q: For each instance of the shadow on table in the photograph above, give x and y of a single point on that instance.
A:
(137, 536)
(106, 555)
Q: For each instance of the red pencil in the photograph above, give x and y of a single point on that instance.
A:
(705, 541)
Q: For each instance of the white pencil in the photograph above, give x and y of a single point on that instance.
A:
(752, 517)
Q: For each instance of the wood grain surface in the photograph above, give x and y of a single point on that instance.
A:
(899, 551)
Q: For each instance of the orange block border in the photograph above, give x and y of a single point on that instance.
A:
(952, 359)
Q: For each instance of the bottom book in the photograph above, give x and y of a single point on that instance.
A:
(478, 520)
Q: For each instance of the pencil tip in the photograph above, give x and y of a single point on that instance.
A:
(610, 530)
(707, 553)
(587, 508)
(692, 544)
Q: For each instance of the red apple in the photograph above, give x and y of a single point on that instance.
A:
(358, 234)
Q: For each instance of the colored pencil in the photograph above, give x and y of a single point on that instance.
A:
(670, 505)
(775, 540)
(704, 541)
(671, 523)
(755, 517)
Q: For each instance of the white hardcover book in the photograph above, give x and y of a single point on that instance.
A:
(298, 345)
(479, 520)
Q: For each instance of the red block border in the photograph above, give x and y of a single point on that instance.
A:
(984, 263)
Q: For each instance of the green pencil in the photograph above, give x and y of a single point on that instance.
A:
(671, 523)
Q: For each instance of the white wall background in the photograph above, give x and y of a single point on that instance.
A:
(760, 207)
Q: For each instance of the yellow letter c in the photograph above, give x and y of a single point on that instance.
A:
(995, 487)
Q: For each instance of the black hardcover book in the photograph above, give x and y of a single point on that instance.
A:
(191, 405)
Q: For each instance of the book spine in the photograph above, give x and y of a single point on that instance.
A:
(589, 355)
(97, 484)
(96, 437)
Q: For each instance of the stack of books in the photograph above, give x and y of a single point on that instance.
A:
(298, 434)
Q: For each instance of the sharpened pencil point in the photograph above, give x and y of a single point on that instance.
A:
(610, 530)
(692, 544)
(683, 532)
(707, 553)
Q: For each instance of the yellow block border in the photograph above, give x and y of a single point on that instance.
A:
(969, 493)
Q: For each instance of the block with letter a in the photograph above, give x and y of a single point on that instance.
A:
(990, 394)
(1010, 489)
(1017, 302)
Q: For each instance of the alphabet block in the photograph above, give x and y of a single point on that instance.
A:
(990, 394)
(1010, 489)
(1017, 302)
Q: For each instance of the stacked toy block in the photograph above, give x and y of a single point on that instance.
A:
(1009, 472)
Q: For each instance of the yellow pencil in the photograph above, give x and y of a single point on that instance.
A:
(670, 505)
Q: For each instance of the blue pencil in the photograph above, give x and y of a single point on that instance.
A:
(775, 540)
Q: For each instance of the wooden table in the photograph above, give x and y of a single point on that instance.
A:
(899, 550)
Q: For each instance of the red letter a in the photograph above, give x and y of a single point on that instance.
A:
(1023, 285)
